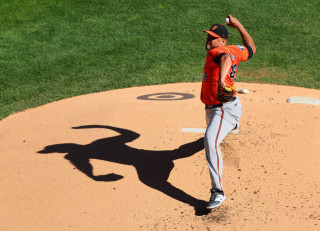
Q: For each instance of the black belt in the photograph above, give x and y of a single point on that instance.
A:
(218, 105)
(214, 106)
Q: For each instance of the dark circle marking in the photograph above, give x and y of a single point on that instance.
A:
(165, 96)
(169, 96)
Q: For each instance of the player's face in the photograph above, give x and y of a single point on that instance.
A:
(213, 42)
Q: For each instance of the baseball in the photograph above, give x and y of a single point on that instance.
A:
(243, 91)
(227, 20)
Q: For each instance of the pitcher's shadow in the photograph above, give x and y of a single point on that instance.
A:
(153, 167)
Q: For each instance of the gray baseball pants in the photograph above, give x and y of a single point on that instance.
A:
(220, 122)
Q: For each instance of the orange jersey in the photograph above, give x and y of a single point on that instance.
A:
(210, 82)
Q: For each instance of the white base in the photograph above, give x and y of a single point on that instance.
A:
(305, 100)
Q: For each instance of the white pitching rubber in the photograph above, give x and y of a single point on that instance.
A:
(194, 130)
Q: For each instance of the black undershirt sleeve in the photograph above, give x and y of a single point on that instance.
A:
(217, 59)
(250, 51)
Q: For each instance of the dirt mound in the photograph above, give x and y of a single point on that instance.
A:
(118, 160)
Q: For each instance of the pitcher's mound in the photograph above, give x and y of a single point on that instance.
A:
(118, 160)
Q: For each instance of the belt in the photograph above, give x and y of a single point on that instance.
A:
(214, 106)
(219, 105)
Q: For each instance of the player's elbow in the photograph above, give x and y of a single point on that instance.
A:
(251, 50)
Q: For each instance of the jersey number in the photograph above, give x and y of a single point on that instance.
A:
(233, 72)
(205, 76)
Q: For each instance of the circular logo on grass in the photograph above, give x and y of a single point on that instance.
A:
(166, 96)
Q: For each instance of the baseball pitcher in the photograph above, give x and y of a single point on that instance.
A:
(218, 93)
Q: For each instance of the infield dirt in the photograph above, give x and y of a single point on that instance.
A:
(117, 160)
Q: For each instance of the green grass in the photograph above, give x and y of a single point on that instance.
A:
(54, 49)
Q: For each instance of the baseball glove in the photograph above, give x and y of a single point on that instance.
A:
(226, 94)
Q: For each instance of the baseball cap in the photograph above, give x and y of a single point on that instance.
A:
(218, 31)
